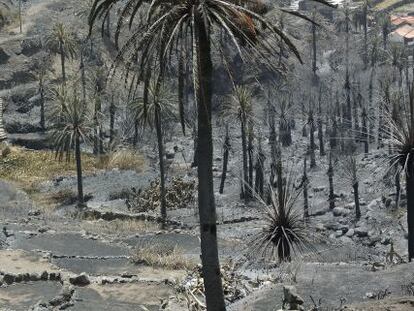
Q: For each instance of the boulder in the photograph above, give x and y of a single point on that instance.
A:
(9, 278)
(80, 280)
(361, 231)
(350, 233)
(340, 211)
(291, 298)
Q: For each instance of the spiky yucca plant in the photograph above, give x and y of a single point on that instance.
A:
(173, 26)
(284, 235)
(400, 130)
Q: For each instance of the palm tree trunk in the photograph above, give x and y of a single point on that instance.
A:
(245, 182)
(207, 209)
(356, 198)
(250, 154)
(305, 191)
(226, 148)
(410, 209)
(320, 138)
(365, 130)
(312, 143)
(62, 62)
(20, 16)
(112, 111)
(314, 49)
(397, 190)
(83, 77)
(162, 170)
(79, 170)
(331, 184)
(42, 104)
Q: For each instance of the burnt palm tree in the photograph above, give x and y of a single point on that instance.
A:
(157, 111)
(350, 169)
(71, 127)
(61, 41)
(240, 108)
(176, 25)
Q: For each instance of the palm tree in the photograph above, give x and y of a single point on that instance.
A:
(350, 168)
(71, 127)
(189, 25)
(157, 111)
(61, 41)
(240, 107)
(41, 78)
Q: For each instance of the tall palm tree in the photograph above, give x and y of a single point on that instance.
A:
(71, 127)
(190, 25)
(158, 110)
(61, 41)
(240, 108)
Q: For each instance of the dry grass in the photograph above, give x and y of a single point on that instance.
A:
(386, 4)
(158, 256)
(123, 159)
(29, 167)
(119, 226)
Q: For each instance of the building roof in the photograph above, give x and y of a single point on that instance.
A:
(399, 20)
(405, 31)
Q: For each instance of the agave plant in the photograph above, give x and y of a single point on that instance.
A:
(401, 160)
(172, 26)
(284, 235)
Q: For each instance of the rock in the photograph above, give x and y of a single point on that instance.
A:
(291, 298)
(54, 276)
(34, 277)
(319, 189)
(9, 278)
(64, 296)
(361, 231)
(44, 276)
(338, 233)
(350, 233)
(43, 229)
(80, 280)
(34, 213)
(340, 211)
(320, 227)
(4, 57)
(321, 211)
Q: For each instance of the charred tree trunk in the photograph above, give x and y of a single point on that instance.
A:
(259, 181)
(79, 170)
(226, 150)
(397, 190)
(112, 111)
(356, 198)
(244, 190)
(250, 154)
(207, 209)
(410, 209)
(331, 184)
(161, 162)
(312, 141)
(305, 182)
(365, 130)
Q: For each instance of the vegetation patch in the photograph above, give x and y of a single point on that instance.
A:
(29, 167)
(159, 256)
